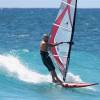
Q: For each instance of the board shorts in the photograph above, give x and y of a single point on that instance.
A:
(47, 60)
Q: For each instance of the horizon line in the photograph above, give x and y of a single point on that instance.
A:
(47, 7)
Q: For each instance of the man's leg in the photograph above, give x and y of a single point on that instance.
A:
(55, 77)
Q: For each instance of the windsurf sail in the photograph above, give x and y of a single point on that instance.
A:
(62, 31)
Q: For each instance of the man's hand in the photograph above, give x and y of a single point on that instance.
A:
(61, 42)
(56, 44)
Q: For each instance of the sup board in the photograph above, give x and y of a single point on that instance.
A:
(78, 85)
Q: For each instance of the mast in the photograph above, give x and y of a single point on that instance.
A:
(70, 43)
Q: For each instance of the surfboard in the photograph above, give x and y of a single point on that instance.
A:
(78, 85)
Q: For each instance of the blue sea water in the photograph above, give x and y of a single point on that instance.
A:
(22, 74)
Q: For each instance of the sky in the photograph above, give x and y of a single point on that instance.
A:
(45, 3)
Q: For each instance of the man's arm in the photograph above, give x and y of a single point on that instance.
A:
(55, 44)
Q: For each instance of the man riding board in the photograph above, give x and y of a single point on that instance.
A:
(44, 45)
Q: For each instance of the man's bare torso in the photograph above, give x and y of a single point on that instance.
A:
(43, 46)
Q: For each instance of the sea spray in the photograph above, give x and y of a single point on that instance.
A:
(15, 68)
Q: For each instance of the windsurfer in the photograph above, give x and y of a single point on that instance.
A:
(44, 45)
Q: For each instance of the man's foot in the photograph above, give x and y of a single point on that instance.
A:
(55, 81)
(58, 82)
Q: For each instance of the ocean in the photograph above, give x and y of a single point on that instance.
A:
(22, 73)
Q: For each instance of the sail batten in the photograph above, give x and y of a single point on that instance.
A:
(69, 29)
(62, 31)
(68, 4)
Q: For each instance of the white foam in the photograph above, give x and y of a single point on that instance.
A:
(26, 50)
(73, 78)
(13, 66)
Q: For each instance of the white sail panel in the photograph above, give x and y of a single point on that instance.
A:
(62, 31)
